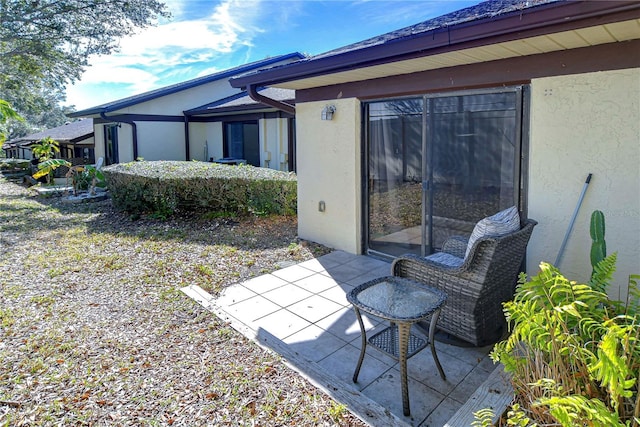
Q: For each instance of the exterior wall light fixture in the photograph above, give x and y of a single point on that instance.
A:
(327, 112)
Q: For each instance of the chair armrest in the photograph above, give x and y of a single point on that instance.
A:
(414, 266)
(456, 246)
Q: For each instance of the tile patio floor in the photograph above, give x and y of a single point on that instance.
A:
(301, 312)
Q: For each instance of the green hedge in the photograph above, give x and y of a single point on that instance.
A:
(164, 187)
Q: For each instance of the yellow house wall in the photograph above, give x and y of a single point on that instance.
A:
(581, 124)
(328, 158)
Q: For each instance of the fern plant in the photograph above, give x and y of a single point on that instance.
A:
(574, 354)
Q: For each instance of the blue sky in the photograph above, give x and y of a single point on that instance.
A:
(204, 37)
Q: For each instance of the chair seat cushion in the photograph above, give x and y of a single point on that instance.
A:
(500, 224)
(446, 259)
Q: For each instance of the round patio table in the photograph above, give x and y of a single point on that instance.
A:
(403, 302)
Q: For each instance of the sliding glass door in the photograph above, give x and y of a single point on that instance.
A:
(438, 164)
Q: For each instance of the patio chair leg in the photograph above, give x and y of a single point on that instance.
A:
(432, 332)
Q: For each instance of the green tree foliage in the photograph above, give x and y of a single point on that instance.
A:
(46, 44)
(7, 113)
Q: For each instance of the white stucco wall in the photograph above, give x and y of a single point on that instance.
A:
(328, 157)
(274, 137)
(274, 134)
(174, 104)
(205, 134)
(160, 141)
(98, 134)
(581, 124)
(214, 138)
(198, 142)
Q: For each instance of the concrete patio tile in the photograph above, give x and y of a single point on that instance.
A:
(286, 295)
(342, 363)
(387, 391)
(469, 384)
(264, 283)
(314, 308)
(344, 324)
(282, 323)
(316, 283)
(314, 343)
(293, 273)
(472, 355)
(318, 265)
(338, 294)
(234, 294)
(337, 258)
(441, 414)
(423, 368)
(346, 272)
(249, 310)
(382, 271)
(366, 263)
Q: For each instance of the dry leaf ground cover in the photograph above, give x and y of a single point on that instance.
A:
(94, 330)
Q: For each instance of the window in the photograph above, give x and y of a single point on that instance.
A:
(111, 144)
(242, 141)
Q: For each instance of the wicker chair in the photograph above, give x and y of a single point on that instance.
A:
(477, 288)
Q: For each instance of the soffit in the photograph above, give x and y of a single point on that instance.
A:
(573, 39)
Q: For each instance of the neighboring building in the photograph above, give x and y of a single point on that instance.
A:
(75, 138)
(191, 121)
(437, 125)
(239, 127)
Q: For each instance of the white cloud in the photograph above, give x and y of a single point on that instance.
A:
(161, 55)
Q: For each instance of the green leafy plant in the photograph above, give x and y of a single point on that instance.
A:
(598, 244)
(86, 177)
(48, 166)
(45, 151)
(574, 354)
(46, 148)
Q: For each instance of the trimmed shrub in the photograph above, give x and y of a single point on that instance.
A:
(12, 164)
(164, 187)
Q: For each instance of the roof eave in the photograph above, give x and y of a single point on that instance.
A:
(542, 19)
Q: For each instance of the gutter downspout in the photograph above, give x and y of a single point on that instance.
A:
(186, 138)
(252, 90)
(134, 131)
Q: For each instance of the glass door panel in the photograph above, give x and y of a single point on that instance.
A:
(472, 150)
(394, 184)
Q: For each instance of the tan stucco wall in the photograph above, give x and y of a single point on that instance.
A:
(581, 124)
(328, 157)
